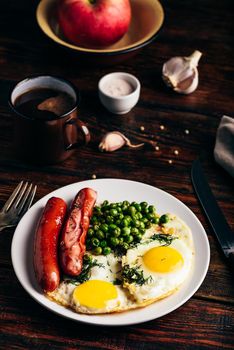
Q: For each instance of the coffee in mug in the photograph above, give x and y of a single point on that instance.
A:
(47, 127)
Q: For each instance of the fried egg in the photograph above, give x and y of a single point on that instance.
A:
(100, 293)
(154, 270)
(148, 272)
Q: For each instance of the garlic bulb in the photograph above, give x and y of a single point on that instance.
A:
(181, 73)
(115, 140)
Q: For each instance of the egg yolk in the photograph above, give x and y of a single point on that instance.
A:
(95, 293)
(163, 259)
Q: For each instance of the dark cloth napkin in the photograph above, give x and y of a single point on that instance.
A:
(224, 146)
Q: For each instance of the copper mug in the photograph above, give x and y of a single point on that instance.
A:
(43, 141)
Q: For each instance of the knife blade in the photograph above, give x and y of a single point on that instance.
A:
(213, 212)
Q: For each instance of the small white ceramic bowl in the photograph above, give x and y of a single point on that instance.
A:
(119, 104)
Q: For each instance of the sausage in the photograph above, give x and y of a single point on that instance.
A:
(72, 244)
(46, 244)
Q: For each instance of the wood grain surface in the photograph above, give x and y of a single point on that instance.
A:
(206, 320)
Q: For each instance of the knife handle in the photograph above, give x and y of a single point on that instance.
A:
(231, 261)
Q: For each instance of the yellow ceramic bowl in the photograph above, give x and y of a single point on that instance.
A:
(147, 19)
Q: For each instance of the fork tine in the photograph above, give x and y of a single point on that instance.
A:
(28, 201)
(20, 195)
(23, 198)
(12, 197)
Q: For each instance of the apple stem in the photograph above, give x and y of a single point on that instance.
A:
(92, 2)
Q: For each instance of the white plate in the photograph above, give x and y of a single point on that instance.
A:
(113, 190)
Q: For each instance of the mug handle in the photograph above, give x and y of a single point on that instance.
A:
(72, 128)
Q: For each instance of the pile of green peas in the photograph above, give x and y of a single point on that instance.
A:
(115, 225)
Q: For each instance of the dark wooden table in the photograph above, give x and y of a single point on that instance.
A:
(206, 320)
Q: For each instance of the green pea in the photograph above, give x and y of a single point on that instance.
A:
(125, 245)
(105, 203)
(132, 210)
(145, 210)
(124, 208)
(138, 216)
(164, 219)
(103, 244)
(97, 251)
(118, 222)
(144, 205)
(126, 231)
(100, 235)
(124, 222)
(138, 207)
(128, 239)
(151, 209)
(150, 216)
(129, 218)
(113, 212)
(134, 231)
(112, 227)
(113, 205)
(98, 212)
(116, 232)
(155, 220)
(144, 219)
(106, 250)
(104, 228)
(90, 232)
(138, 237)
(126, 203)
(87, 258)
(121, 216)
(106, 211)
(96, 227)
(109, 219)
(121, 239)
(135, 223)
(142, 225)
(114, 241)
(94, 219)
(95, 242)
(148, 224)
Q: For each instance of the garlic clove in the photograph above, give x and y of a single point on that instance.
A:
(114, 140)
(181, 74)
(111, 142)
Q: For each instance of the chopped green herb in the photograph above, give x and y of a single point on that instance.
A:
(117, 282)
(163, 238)
(134, 275)
(85, 274)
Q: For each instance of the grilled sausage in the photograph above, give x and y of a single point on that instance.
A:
(72, 244)
(46, 244)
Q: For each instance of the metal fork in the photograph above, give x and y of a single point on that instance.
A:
(17, 205)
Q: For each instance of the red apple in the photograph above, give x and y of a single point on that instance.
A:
(94, 22)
